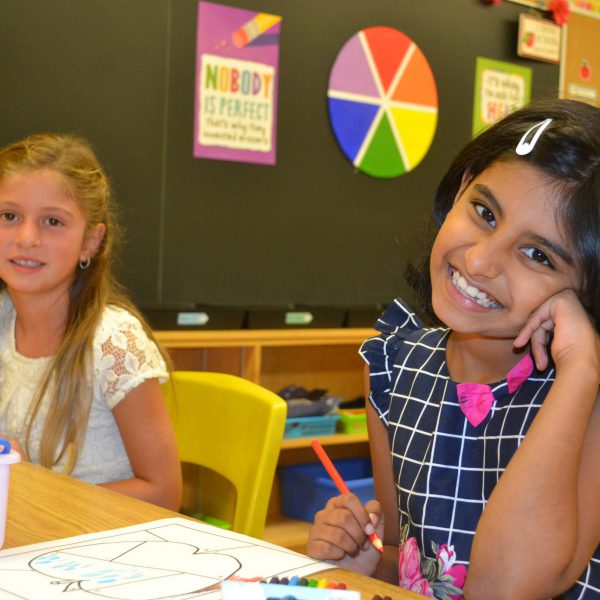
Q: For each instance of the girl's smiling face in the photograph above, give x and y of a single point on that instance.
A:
(42, 233)
(500, 252)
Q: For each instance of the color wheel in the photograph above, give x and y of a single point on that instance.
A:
(383, 102)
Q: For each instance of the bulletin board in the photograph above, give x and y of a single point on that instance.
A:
(309, 230)
(580, 70)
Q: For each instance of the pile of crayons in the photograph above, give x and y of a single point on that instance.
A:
(305, 582)
(314, 583)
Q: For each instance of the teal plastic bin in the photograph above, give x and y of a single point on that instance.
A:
(296, 427)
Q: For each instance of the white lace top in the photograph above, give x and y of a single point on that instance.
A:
(124, 357)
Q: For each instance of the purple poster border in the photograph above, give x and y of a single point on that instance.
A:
(218, 26)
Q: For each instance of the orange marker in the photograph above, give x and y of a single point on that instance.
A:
(340, 484)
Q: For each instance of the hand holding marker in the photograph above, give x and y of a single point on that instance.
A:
(340, 484)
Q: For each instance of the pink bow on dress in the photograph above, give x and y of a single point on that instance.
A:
(476, 399)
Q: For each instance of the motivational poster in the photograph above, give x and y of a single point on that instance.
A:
(580, 67)
(590, 6)
(236, 84)
(500, 88)
(539, 39)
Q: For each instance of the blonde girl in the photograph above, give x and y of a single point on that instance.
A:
(79, 370)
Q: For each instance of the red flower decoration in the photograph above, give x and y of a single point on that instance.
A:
(560, 11)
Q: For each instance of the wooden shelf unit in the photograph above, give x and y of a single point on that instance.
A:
(312, 358)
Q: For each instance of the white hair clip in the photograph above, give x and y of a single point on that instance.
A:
(524, 147)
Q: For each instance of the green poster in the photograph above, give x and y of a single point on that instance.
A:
(500, 87)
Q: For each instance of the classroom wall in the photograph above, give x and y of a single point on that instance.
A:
(309, 230)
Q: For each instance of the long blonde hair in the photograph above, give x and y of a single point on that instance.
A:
(70, 372)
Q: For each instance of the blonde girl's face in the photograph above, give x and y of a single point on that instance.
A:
(500, 252)
(42, 233)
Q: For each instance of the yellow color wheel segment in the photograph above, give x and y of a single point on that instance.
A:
(415, 129)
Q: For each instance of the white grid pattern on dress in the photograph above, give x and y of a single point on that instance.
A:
(445, 468)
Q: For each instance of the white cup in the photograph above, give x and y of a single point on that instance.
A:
(5, 461)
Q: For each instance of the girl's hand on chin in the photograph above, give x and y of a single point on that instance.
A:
(575, 341)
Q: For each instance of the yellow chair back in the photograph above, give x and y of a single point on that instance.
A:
(233, 427)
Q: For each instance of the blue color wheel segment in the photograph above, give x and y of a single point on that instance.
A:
(351, 122)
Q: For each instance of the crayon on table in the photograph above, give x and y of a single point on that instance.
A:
(340, 484)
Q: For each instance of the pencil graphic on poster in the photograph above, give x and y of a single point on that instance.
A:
(252, 29)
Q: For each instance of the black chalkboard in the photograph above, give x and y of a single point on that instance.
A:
(309, 230)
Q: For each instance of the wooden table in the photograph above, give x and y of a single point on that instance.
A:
(45, 506)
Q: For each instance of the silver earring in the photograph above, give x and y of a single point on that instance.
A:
(84, 264)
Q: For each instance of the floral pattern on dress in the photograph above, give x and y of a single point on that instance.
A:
(437, 577)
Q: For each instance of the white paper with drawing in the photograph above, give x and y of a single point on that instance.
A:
(170, 558)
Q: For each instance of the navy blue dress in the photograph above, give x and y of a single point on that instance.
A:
(446, 469)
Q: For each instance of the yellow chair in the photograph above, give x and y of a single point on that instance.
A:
(233, 427)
